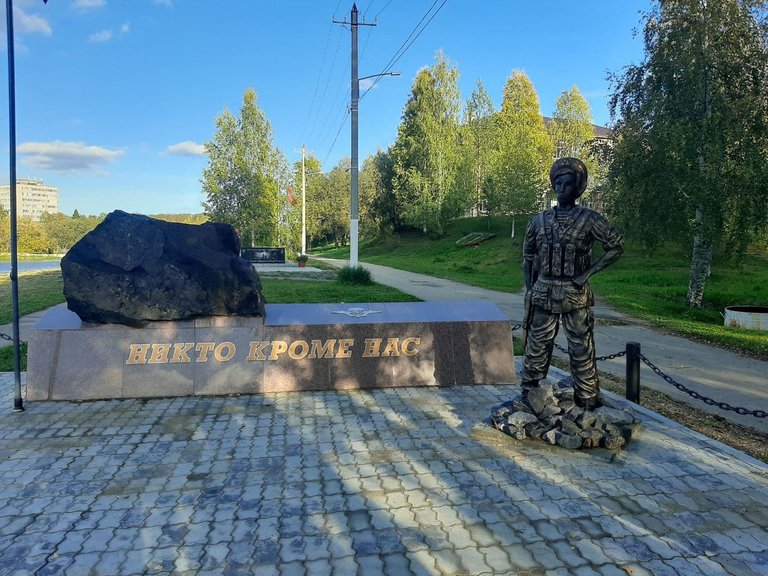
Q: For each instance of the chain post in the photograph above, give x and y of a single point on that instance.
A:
(633, 372)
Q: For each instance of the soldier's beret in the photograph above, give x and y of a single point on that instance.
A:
(570, 166)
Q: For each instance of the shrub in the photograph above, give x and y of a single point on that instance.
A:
(302, 258)
(354, 275)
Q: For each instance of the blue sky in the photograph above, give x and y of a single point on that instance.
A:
(116, 97)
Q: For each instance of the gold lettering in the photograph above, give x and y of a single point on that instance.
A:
(278, 347)
(298, 355)
(138, 354)
(322, 349)
(220, 354)
(159, 354)
(392, 348)
(410, 351)
(372, 348)
(256, 351)
(204, 348)
(344, 348)
(180, 350)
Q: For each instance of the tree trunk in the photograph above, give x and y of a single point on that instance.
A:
(701, 264)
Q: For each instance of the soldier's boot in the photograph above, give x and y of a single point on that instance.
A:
(528, 385)
(587, 403)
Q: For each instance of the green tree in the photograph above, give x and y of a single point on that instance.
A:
(427, 152)
(241, 182)
(314, 180)
(379, 211)
(519, 180)
(479, 143)
(332, 205)
(571, 125)
(573, 132)
(32, 237)
(182, 218)
(692, 127)
(63, 232)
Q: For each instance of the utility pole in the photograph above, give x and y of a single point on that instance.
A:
(303, 203)
(355, 85)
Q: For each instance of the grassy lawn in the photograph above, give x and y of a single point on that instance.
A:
(287, 291)
(654, 288)
(38, 290)
(494, 264)
(6, 257)
(650, 287)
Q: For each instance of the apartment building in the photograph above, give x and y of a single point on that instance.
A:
(33, 197)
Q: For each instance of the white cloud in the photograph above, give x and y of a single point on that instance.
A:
(88, 4)
(65, 156)
(30, 23)
(125, 28)
(366, 83)
(164, 2)
(103, 36)
(187, 148)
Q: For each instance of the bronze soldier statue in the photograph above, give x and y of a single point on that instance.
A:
(557, 262)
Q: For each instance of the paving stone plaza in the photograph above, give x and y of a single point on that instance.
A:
(390, 481)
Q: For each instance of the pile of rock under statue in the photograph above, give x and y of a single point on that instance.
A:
(549, 413)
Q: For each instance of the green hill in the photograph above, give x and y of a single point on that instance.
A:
(648, 286)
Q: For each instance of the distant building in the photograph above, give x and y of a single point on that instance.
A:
(32, 198)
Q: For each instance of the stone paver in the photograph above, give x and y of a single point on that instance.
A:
(388, 481)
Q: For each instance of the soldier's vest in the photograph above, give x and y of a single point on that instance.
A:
(565, 251)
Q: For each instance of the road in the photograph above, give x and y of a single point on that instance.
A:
(716, 373)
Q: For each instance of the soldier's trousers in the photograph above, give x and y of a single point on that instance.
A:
(578, 325)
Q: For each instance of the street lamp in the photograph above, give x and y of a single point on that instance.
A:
(353, 208)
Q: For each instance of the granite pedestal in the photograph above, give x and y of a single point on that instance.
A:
(294, 347)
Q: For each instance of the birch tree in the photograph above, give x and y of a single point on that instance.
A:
(479, 143)
(691, 155)
(242, 180)
(427, 150)
(526, 150)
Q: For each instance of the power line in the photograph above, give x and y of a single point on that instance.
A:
(317, 82)
(411, 34)
(382, 10)
(325, 88)
(343, 123)
(403, 47)
(338, 100)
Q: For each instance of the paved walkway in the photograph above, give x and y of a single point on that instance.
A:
(395, 481)
(392, 481)
(713, 372)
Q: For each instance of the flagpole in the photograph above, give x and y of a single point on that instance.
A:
(18, 405)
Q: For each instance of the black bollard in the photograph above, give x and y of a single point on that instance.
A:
(633, 372)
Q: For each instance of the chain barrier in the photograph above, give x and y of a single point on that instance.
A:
(697, 396)
(692, 393)
(4, 336)
(612, 356)
(599, 358)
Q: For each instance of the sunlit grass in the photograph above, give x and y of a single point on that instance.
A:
(648, 286)
(493, 264)
(287, 291)
(38, 290)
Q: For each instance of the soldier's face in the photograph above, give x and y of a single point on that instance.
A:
(565, 188)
